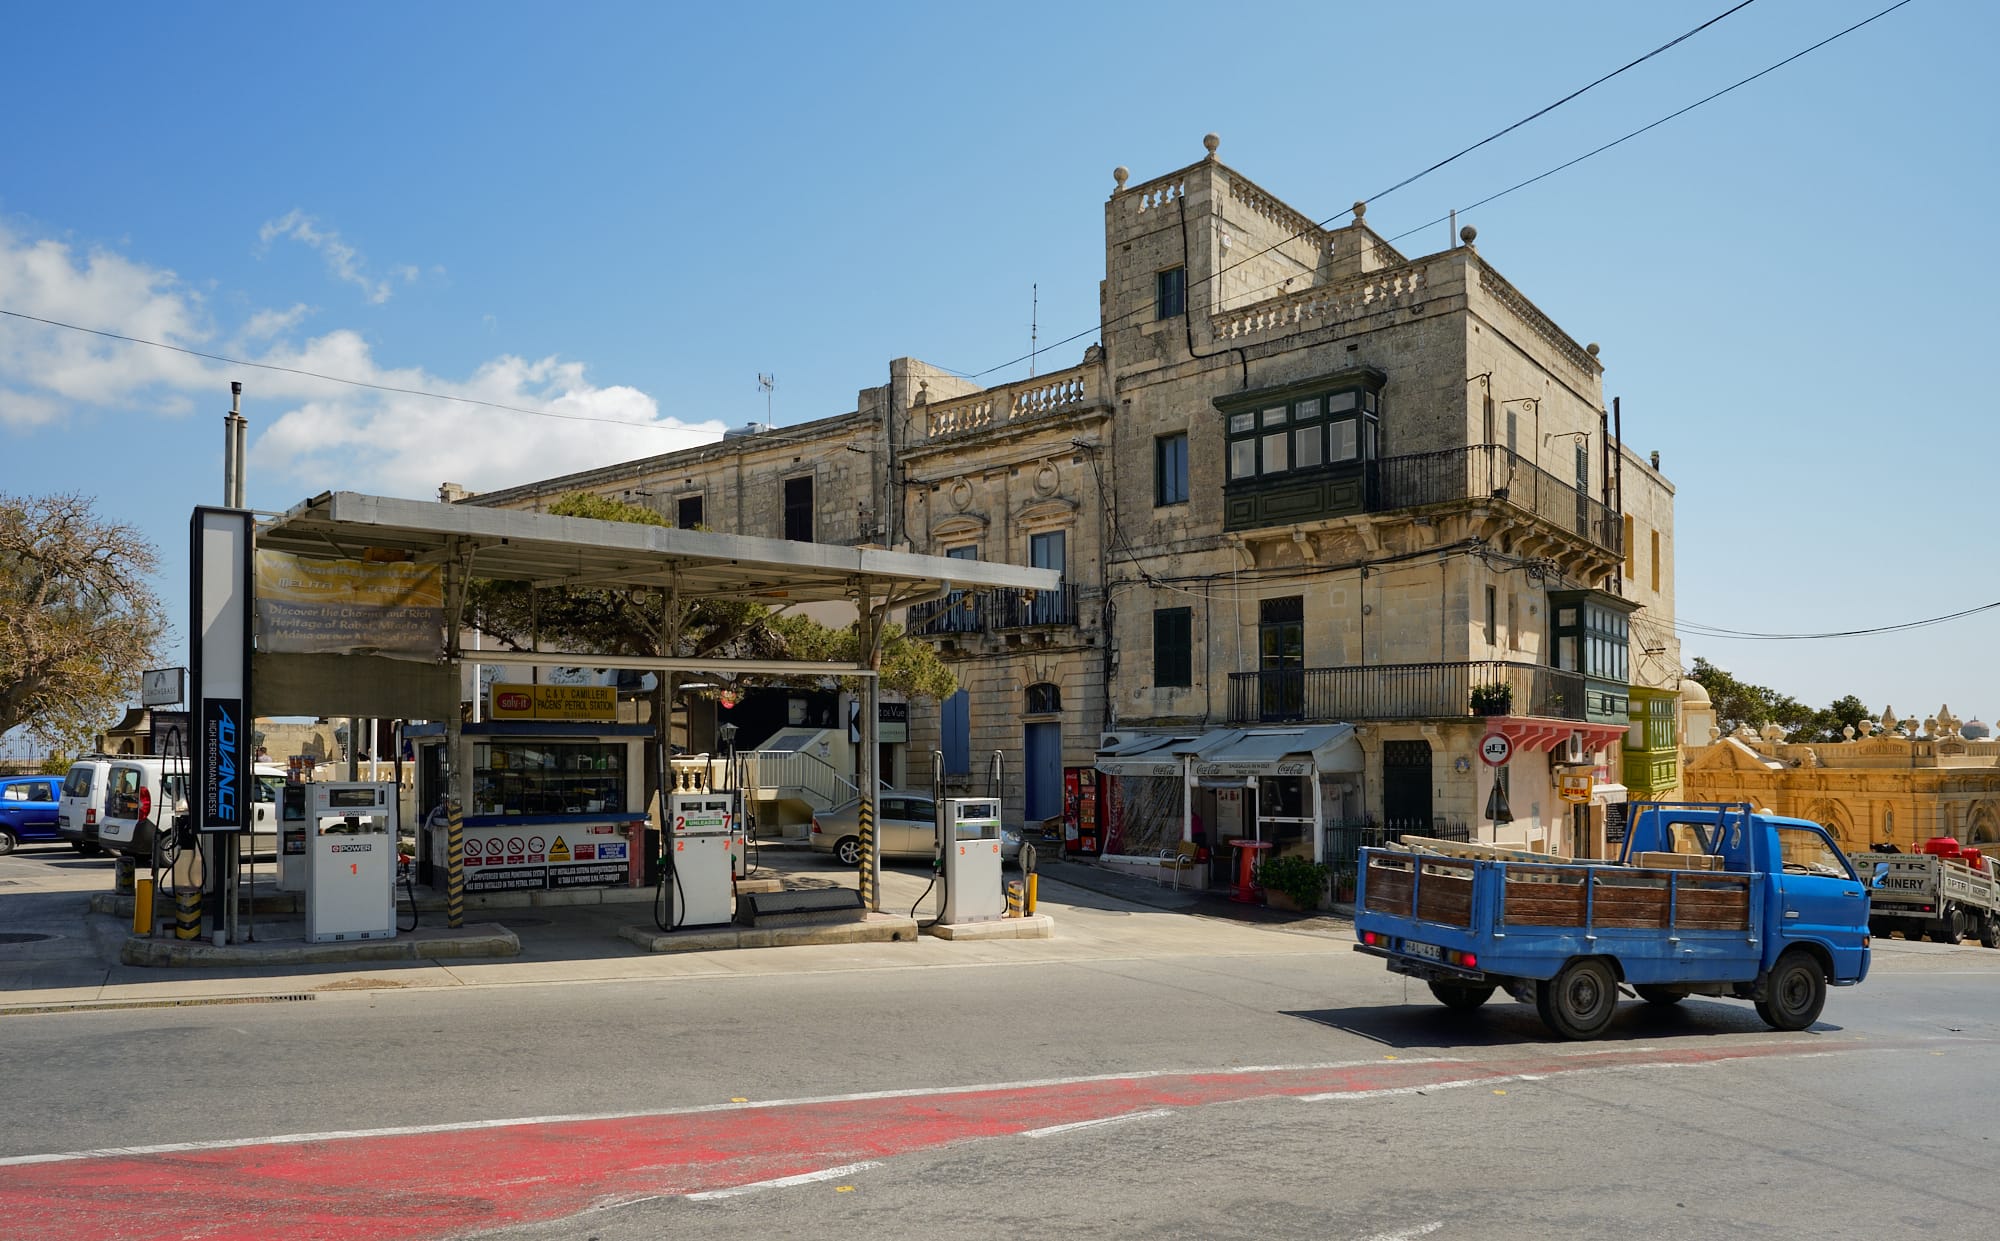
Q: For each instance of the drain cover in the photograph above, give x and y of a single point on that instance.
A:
(22, 937)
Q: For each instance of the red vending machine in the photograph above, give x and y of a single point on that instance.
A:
(1082, 787)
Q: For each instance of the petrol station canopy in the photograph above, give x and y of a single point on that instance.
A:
(549, 552)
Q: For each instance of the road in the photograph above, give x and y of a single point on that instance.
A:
(1144, 1074)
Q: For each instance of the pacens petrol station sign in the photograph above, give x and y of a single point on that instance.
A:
(552, 702)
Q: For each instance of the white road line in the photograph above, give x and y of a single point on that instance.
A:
(784, 1182)
(467, 1126)
(1421, 1230)
(1073, 1126)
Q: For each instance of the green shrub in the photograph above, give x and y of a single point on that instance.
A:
(1301, 879)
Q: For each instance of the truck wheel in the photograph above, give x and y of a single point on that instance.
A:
(1989, 932)
(1461, 996)
(1794, 993)
(1942, 932)
(1580, 1000)
(1660, 996)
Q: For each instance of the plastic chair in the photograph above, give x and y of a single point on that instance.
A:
(1184, 856)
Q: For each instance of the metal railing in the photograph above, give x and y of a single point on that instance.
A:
(767, 773)
(1401, 692)
(961, 611)
(1496, 471)
(1046, 607)
(1343, 841)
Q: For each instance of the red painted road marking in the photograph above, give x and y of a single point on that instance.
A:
(448, 1180)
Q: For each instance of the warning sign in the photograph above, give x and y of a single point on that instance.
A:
(559, 852)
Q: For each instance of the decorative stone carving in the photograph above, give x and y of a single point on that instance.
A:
(959, 492)
(1047, 479)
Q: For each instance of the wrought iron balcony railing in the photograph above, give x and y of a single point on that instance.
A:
(1402, 692)
(1046, 608)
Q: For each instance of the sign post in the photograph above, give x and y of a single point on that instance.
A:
(1494, 750)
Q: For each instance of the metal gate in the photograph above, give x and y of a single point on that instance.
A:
(1406, 787)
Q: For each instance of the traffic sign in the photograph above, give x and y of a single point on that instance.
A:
(1495, 749)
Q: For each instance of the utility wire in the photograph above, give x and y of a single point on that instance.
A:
(1412, 178)
(1698, 629)
(1655, 125)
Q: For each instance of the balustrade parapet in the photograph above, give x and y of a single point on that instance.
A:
(1061, 392)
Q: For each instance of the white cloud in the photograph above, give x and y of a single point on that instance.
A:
(314, 433)
(342, 260)
(268, 323)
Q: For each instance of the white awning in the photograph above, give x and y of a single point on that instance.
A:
(1152, 754)
(1305, 751)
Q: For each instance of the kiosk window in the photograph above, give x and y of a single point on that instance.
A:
(548, 777)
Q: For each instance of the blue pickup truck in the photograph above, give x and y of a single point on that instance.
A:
(1707, 899)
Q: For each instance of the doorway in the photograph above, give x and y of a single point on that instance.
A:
(1406, 787)
(1041, 746)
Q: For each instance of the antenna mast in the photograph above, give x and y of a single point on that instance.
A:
(765, 384)
(1034, 323)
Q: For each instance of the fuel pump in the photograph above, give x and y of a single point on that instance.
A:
(697, 878)
(970, 887)
(350, 862)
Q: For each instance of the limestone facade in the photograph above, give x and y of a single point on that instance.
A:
(1901, 784)
(1302, 477)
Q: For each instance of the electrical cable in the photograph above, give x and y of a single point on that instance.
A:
(1406, 181)
(1698, 629)
(1655, 125)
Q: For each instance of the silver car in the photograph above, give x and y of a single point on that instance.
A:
(905, 827)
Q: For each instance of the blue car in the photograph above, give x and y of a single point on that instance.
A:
(27, 810)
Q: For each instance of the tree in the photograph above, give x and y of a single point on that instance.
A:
(1740, 702)
(77, 620)
(629, 622)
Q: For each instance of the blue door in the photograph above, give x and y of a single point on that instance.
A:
(1042, 745)
(1819, 900)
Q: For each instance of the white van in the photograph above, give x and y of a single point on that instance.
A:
(136, 798)
(80, 808)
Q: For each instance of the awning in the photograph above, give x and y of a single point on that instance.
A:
(1153, 754)
(1244, 752)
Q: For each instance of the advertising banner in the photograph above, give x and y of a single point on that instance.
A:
(553, 702)
(219, 576)
(349, 607)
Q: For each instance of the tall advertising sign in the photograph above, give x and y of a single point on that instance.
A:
(219, 573)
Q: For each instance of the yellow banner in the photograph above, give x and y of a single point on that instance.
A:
(553, 702)
(349, 607)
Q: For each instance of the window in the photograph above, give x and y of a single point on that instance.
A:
(799, 509)
(1170, 292)
(1304, 433)
(1656, 561)
(1173, 647)
(956, 727)
(547, 777)
(1044, 699)
(1513, 620)
(1281, 656)
(1170, 469)
(687, 512)
(1513, 427)
(1492, 615)
(1048, 551)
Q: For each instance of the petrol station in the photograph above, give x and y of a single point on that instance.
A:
(351, 605)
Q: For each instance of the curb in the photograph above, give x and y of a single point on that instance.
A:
(481, 940)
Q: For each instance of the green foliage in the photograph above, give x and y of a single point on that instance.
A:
(78, 622)
(1740, 702)
(631, 622)
(56, 765)
(1300, 878)
(1492, 698)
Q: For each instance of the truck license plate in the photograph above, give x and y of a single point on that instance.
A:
(1431, 951)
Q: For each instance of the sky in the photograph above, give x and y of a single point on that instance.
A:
(624, 213)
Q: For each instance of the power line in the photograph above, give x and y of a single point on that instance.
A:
(1413, 177)
(1656, 124)
(1698, 629)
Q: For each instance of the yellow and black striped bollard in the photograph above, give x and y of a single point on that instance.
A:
(454, 860)
(867, 820)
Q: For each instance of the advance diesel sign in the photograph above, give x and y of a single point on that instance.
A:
(219, 574)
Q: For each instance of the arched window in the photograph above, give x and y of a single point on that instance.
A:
(1044, 699)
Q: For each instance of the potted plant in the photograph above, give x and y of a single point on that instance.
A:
(1492, 698)
(1293, 882)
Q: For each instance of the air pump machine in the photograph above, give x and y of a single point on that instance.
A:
(968, 842)
(351, 862)
(701, 832)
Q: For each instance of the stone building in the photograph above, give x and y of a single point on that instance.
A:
(1898, 782)
(1327, 515)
